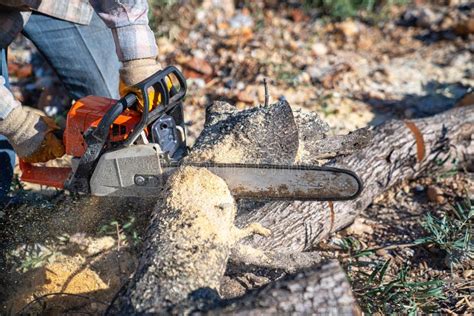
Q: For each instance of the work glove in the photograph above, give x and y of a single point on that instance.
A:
(135, 71)
(30, 134)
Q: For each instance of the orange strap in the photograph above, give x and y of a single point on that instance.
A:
(420, 142)
(331, 210)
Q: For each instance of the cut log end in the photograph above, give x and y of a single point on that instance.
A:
(266, 134)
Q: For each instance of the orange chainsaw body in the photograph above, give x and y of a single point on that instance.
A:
(85, 113)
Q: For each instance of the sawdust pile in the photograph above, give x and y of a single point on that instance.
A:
(190, 237)
(88, 285)
(76, 257)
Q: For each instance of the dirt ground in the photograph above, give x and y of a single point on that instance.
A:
(61, 254)
(79, 246)
(390, 231)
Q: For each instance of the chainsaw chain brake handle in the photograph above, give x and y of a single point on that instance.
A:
(171, 85)
(96, 138)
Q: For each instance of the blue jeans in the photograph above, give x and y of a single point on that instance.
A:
(84, 59)
(83, 56)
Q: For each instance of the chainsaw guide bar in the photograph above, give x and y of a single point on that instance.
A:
(286, 182)
(141, 170)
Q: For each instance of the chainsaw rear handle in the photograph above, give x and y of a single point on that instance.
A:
(58, 176)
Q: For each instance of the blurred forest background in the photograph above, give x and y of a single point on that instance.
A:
(355, 63)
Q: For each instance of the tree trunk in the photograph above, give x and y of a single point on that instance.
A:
(192, 234)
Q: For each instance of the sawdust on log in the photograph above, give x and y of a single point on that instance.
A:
(310, 128)
(192, 232)
(264, 134)
(194, 224)
(194, 192)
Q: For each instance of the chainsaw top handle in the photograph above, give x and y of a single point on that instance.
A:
(170, 84)
(97, 138)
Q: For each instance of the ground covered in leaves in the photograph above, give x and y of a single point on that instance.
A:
(410, 251)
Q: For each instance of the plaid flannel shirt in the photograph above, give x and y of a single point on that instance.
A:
(127, 19)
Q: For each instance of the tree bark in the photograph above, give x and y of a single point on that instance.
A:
(322, 290)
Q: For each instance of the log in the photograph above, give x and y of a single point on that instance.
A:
(392, 152)
(269, 134)
(322, 290)
(192, 230)
(172, 267)
(399, 150)
(187, 244)
(261, 134)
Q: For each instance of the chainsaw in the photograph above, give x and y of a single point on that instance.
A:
(119, 151)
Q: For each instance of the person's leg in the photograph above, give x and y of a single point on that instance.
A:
(83, 56)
